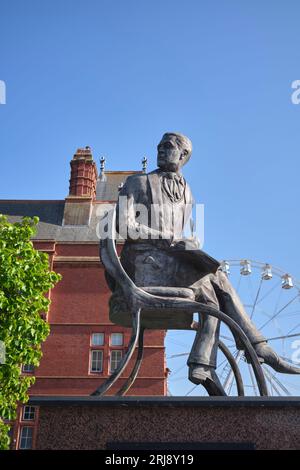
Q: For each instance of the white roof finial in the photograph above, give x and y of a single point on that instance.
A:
(144, 163)
(102, 176)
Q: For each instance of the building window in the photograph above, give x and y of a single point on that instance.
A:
(116, 339)
(28, 368)
(97, 339)
(115, 358)
(28, 413)
(26, 437)
(96, 361)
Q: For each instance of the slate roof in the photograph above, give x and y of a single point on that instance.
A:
(108, 190)
(51, 212)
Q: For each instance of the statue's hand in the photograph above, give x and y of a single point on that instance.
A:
(186, 244)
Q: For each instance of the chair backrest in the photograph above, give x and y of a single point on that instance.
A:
(109, 255)
(158, 312)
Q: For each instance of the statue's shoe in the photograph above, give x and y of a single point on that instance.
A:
(206, 376)
(268, 356)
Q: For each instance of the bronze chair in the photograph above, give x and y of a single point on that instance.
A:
(172, 310)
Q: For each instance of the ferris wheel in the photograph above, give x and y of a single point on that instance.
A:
(271, 297)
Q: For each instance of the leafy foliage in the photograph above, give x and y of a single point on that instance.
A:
(25, 279)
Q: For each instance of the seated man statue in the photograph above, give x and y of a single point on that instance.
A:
(155, 253)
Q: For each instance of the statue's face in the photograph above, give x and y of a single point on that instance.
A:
(170, 155)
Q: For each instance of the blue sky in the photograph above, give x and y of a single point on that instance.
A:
(116, 75)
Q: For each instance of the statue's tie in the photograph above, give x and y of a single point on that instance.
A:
(173, 185)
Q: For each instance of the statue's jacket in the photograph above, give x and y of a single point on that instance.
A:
(171, 261)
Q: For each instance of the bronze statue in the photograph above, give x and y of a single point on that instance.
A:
(155, 253)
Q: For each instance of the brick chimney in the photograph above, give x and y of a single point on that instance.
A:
(82, 190)
(83, 174)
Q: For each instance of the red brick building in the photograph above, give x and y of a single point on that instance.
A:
(83, 346)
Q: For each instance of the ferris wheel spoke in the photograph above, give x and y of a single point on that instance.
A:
(225, 361)
(220, 365)
(176, 371)
(172, 333)
(287, 359)
(256, 299)
(278, 301)
(283, 337)
(262, 312)
(292, 313)
(177, 379)
(178, 343)
(294, 328)
(226, 368)
(279, 311)
(292, 385)
(272, 384)
(251, 289)
(227, 385)
(252, 380)
(238, 284)
(191, 390)
(177, 355)
(227, 337)
(278, 326)
(275, 379)
(230, 386)
(269, 292)
(282, 386)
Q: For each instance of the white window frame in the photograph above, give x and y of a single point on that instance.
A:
(95, 343)
(29, 411)
(113, 343)
(100, 352)
(113, 363)
(26, 438)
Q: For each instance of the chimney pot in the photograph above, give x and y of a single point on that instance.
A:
(83, 174)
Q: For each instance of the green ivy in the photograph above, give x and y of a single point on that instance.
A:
(24, 281)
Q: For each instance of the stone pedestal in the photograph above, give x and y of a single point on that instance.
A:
(168, 423)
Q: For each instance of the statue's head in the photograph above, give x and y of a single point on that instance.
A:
(173, 151)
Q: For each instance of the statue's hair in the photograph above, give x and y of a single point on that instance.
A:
(183, 141)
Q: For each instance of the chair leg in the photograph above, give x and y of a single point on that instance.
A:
(124, 389)
(248, 347)
(136, 325)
